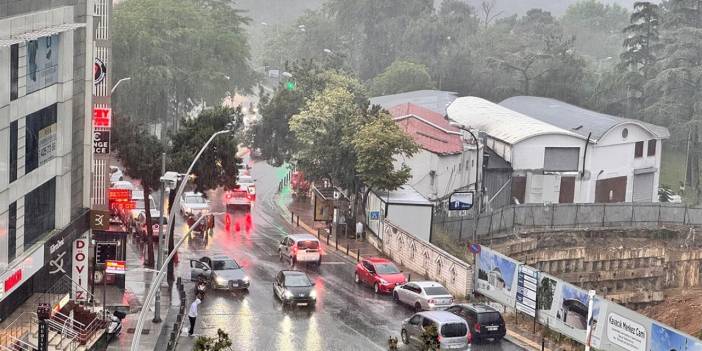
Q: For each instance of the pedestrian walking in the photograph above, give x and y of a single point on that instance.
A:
(192, 314)
(359, 230)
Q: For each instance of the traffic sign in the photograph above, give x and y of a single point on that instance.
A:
(474, 248)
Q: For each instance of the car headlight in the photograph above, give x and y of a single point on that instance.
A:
(220, 280)
(383, 281)
(287, 294)
(313, 294)
(246, 278)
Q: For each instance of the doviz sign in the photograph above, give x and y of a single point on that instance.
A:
(526, 290)
(101, 142)
(461, 201)
(115, 267)
(102, 117)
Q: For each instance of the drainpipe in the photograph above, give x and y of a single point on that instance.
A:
(587, 143)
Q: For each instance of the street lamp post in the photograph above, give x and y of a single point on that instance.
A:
(117, 84)
(157, 304)
(171, 217)
(478, 191)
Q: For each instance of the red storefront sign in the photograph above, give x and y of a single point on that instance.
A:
(119, 195)
(115, 267)
(102, 117)
(12, 280)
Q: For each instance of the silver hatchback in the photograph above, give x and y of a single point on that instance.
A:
(452, 331)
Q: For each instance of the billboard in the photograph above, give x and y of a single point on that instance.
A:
(42, 63)
(496, 276)
(461, 201)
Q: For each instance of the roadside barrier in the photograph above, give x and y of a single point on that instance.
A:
(180, 318)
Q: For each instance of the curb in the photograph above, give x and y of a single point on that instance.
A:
(522, 341)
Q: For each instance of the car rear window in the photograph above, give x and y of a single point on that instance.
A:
(453, 330)
(436, 290)
(154, 220)
(489, 317)
(308, 244)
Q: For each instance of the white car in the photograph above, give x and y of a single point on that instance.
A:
(423, 295)
(194, 203)
(122, 184)
(300, 248)
(116, 174)
(139, 206)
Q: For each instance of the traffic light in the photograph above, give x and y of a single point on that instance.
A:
(290, 85)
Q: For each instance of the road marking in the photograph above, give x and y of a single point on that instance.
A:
(326, 262)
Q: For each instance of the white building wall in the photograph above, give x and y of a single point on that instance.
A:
(414, 219)
(451, 172)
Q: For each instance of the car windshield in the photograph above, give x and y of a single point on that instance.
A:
(224, 265)
(386, 268)
(436, 290)
(154, 220)
(194, 199)
(489, 317)
(309, 244)
(297, 280)
(453, 330)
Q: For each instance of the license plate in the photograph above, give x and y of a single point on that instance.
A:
(456, 346)
(302, 304)
(492, 328)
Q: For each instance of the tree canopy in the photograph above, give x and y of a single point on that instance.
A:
(400, 77)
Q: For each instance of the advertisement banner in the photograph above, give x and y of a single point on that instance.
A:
(80, 267)
(496, 276)
(47, 144)
(526, 290)
(628, 335)
(42, 63)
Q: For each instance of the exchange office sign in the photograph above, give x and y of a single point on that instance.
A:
(101, 142)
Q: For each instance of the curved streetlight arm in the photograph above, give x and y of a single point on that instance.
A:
(156, 284)
(117, 84)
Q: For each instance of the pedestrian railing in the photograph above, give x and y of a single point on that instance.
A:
(17, 335)
(180, 318)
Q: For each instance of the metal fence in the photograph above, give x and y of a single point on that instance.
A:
(505, 221)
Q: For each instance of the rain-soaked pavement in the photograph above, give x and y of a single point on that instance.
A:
(347, 316)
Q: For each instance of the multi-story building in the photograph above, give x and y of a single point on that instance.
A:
(46, 82)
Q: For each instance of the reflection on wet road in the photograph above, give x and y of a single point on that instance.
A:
(346, 317)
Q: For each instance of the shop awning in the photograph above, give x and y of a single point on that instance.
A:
(39, 33)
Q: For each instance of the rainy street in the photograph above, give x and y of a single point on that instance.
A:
(347, 316)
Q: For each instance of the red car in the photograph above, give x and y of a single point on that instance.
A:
(380, 273)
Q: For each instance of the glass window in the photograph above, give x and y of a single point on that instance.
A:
(42, 63)
(224, 265)
(652, 147)
(40, 143)
(13, 151)
(415, 319)
(489, 318)
(308, 244)
(638, 149)
(294, 280)
(386, 268)
(14, 71)
(436, 290)
(454, 330)
(39, 212)
(194, 199)
(12, 233)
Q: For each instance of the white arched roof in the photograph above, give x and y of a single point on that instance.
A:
(500, 122)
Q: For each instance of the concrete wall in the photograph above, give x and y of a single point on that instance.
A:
(414, 219)
(425, 258)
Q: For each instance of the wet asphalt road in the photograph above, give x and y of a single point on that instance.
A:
(347, 316)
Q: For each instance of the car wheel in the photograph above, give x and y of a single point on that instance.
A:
(405, 338)
(394, 296)
(417, 307)
(376, 288)
(356, 278)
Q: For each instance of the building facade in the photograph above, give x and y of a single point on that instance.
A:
(560, 153)
(46, 53)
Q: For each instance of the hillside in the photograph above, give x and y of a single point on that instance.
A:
(556, 7)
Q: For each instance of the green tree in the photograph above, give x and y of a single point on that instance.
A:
(597, 27)
(638, 56)
(178, 53)
(217, 166)
(430, 338)
(140, 153)
(400, 77)
(219, 343)
(378, 146)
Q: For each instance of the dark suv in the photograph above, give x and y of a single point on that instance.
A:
(484, 321)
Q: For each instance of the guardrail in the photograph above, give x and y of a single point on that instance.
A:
(180, 318)
(16, 335)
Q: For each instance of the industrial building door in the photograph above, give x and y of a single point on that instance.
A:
(643, 187)
(567, 192)
(611, 190)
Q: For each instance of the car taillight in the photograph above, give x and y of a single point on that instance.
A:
(469, 336)
(438, 337)
(477, 327)
(294, 250)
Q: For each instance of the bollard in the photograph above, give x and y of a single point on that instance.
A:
(292, 217)
(328, 235)
(358, 255)
(298, 220)
(347, 248)
(336, 244)
(409, 276)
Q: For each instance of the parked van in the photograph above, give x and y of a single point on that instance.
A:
(453, 332)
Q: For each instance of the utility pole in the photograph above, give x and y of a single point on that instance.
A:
(157, 304)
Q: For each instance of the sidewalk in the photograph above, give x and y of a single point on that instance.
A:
(300, 213)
